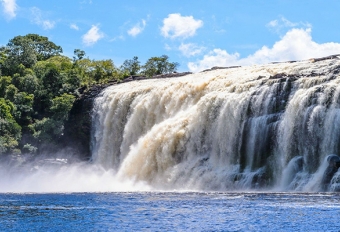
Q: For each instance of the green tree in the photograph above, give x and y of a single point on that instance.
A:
(63, 63)
(100, 71)
(79, 54)
(46, 130)
(18, 51)
(10, 130)
(84, 68)
(3, 57)
(50, 129)
(159, 65)
(5, 81)
(43, 48)
(24, 107)
(72, 82)
(28, 83)
(132, 67)
(61, 106)
(27, 50)
(52, 80)
(104, 71)
(10, 92)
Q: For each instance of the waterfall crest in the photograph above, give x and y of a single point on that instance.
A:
(228, 129)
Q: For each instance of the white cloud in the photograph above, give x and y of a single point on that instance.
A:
(273, 23)
(279, 24)
(47, 24)
(74, 26)
(9, 8)
(216, 57)
(37, 18)
(190, 49)
(137, 29)
(177, 26)
(167, 47)
(116, 38)
(283, 22)
(92, 36)
(296, 44)
(86, 2)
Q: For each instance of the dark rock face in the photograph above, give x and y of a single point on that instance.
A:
(333, 166)
(172, 75)
(78, 127)
(216, 67)
(336, 56)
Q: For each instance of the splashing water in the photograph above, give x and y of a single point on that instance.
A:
(58, 175)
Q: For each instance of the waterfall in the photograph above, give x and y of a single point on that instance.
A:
(225, 129)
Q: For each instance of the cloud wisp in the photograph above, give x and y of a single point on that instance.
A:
(9, 8)
(74, 26)
(296, 44)
(190, 49)
(38, 19)
(137, 29)
(278, 25)
(177, 26)
(92, 36)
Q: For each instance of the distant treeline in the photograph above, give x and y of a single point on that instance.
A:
(38, 86)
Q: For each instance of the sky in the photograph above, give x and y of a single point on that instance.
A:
(198, 34)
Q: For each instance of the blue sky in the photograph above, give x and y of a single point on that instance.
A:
(197, 34)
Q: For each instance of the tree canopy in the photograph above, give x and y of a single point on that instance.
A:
(131, 67)
(159, 65)
(27, 50)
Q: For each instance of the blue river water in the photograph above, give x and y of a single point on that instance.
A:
(170, 211)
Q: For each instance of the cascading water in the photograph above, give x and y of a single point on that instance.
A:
(266, 126)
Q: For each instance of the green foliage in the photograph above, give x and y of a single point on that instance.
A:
(10, 92)
(63, 63)
(132, 67)
(3, 57)
(26, 51)
(72, 82)
(79, 54)
(42, 47)
(10, 131)
(159, 65)
(6, 109)
(51, 80)
(104, 71)
(5, 81)
(61, 106)
(24, 106)
(28, 83)
(28, 148)
(19, 52)
(94, 72)
(46, 130)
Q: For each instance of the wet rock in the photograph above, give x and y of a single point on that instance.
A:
(216, 67)
(325, 58)
(175, 74)
(333, 166)
(78, 127)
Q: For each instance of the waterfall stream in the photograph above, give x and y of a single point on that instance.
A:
(262, 126)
